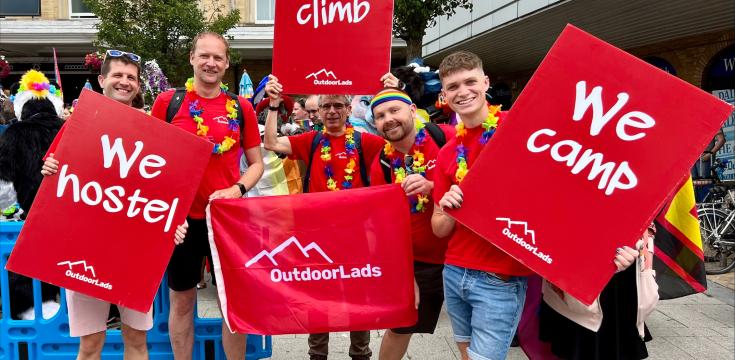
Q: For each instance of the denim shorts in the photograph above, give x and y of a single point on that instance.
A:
(484, 310)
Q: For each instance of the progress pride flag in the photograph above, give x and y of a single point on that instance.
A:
(104, 224)
(312, 263)
(350, 44)
(601, 138)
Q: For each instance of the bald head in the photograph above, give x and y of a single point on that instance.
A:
(312, 108)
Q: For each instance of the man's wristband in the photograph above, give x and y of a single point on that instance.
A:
(243, 189)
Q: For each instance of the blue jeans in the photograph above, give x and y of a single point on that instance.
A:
(484, 310)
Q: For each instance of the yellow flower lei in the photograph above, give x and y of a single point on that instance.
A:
(490, 124)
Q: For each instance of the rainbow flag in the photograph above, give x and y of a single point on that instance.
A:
(679, 259)
(57, 73)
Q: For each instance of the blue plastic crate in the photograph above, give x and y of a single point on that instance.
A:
(49, 338)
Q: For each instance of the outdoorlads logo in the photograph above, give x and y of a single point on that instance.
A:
(221, 120)
(334, 272)
(325, 77)
(522, 239)
(88, 270)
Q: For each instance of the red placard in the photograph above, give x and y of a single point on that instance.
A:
(332, 47)
(314, 263)
(585, 158)
(104, 224)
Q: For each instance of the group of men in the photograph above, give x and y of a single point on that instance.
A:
(484, 288)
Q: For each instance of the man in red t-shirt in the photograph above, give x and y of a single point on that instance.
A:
(409, 159)
(334, 165)
(120, 81)
(208, 111)
(332, 151)
(484, 287)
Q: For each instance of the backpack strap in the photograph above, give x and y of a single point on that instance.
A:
(307, 176)
(364, 176)
(240, 115)
(436, 133)
(175, 104)
(385, 166)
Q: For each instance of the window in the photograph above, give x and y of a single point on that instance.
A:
(20, 8)
(79, 10)
(265, 11)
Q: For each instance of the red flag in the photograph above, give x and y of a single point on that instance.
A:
(317, 262)
(56, 72)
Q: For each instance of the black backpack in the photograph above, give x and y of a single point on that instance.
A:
(358, 145)
(434, 131)
(178, 99)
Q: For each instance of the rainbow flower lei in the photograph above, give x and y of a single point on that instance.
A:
(418, 203)
(195, 111)
(490, 124)
(326, 155)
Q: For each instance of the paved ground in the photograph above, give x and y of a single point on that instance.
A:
(726, 280)
(700, 327)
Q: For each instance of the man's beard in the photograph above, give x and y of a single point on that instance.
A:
(399, 136)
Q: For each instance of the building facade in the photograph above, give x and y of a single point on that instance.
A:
(31, 29)
(512, 36)
(693, 40)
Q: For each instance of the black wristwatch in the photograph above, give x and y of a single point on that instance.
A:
(243, 189)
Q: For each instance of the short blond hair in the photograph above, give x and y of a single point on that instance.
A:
(460, 60)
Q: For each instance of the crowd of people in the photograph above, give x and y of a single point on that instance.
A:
(482, 287)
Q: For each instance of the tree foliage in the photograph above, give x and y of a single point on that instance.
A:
(159, 29)
(411, 18)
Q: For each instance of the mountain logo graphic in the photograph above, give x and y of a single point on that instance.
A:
(526, 231)
(521, 238)
(291, 241)
(82, 262)
(324, 71)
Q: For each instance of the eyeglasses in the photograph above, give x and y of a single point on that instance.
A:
(336, 106)
(119, 53)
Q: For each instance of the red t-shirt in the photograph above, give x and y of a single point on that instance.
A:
(427, 247)
(301, 146)
(467, 249)
(223, 170)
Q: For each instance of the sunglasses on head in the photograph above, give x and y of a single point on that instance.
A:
(119, 53)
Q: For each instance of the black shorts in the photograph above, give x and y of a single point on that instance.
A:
(431, 297)
(185, 267)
